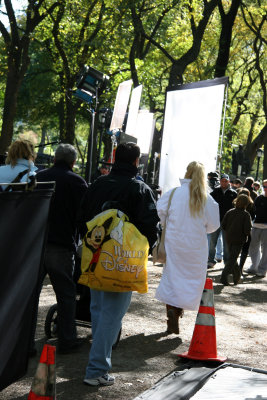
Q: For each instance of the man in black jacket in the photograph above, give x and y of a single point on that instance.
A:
(224, 196)
(61, 242)
(120, 189)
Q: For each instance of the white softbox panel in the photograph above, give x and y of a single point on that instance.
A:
(144, 130)
(121, 104)
(191, 131)
(133, 111)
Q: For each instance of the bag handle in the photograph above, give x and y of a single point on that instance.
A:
(164, 227)
(17, 179)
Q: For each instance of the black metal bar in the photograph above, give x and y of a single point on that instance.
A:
(47, 144)
(257, 172)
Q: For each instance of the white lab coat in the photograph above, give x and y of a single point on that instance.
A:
(186, 245)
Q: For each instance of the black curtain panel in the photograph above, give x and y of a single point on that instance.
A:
(23, 223)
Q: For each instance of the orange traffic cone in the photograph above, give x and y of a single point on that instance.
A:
(203, 344)
(44, 381)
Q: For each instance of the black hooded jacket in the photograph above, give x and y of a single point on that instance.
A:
(120, 189)
(65, 203)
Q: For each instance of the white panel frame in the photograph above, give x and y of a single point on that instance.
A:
(191, 130)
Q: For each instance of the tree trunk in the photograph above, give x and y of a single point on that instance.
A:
(43, 138)
(225, 37)
(265, 159)
(69, 134)
(10, 106)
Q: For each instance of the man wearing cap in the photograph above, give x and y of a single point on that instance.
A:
(224, 196)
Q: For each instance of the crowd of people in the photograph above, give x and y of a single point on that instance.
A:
(196, 218)
(243, 216)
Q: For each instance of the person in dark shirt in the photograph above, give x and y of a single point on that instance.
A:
(249, 185)
(224, 196)
(237, 226)
(120, 189)
(61, 242)
(251, 209)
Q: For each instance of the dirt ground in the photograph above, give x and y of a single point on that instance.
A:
(145, 353)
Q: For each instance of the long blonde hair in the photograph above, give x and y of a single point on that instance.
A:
(197, 188)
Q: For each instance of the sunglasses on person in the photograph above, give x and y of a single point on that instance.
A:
(264, 187)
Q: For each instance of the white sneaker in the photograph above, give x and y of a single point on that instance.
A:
(105, 380)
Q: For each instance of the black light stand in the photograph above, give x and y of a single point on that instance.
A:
(88, 167)
(104, 118)
(90, 84)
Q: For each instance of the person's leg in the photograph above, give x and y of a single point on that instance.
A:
(254, 250)
(231, 265)
(219, 249)
(213, 237)
(95, 308)
(244, 254)
(262, 268)
(59, 263)
(106, 324)
(236, 270)
(173, 315)
(225, 248)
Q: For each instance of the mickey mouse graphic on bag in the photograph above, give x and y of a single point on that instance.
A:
(95, 239)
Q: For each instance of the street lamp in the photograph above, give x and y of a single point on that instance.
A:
(259, 155)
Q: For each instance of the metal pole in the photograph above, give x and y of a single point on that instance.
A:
(100, 142)
(224, 112)
(90, 148)
(88, 171)
(257, 172)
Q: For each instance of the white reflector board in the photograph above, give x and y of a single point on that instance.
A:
(121, 104)
(144, 130)
(133, 111)
(191, 129)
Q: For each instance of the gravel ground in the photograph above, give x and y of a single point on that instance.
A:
(146, 353)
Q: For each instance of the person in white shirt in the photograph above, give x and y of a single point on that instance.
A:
(192, 214)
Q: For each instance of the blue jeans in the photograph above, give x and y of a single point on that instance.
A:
(258, 250)
(107, 312)
(219, 248)
(213, 238)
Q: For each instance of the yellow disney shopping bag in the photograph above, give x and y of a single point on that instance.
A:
(114, 255)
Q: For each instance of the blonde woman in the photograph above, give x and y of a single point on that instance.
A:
(192, 214)
(20, 158)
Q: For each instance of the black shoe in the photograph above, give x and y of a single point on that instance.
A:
(71, 348)
(210, 264)
(224, 282)
(236, 276)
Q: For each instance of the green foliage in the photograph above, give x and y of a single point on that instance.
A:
(105, 34)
